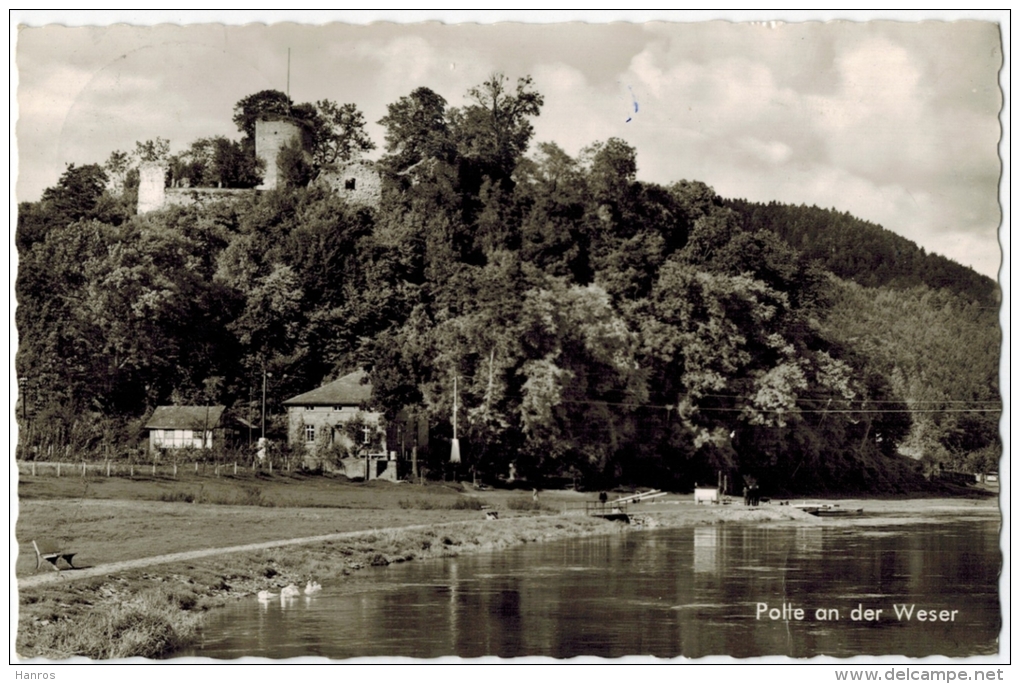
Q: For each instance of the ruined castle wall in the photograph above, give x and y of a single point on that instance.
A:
(358, 182)
(151, 186)
(153, 194)
(270, 137)
(186, 197)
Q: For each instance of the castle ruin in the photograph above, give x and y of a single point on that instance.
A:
(357, 181)
(270, 138)
(151, 186)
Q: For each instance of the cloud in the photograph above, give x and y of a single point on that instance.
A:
(877, 140)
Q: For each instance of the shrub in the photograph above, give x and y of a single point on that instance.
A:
(180, 495)
(459, 504)
(467, 505)
(152, 626)
(524, 504)
(253, 496)
(293, 165)
(420, 504)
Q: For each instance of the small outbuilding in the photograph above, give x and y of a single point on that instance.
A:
(187, 427)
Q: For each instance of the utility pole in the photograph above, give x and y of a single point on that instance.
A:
(264, 376)
(23, 436)
(288, 74)
(414, 449)
(24, 400)
(455, 444)
(251, 407)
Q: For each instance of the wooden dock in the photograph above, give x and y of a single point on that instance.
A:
(611, 510)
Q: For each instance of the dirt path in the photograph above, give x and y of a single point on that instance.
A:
(680, 516)
(47, 576)
(109, 568)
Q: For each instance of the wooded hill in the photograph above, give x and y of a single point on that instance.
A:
(863, 252)
(600, 327)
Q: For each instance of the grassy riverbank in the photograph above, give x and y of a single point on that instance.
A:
(155, 609)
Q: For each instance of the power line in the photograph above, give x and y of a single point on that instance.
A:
(792, 410)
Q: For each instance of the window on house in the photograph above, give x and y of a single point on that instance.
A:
(350, 183)
(173, 439)
(309, 408)
(309, 433)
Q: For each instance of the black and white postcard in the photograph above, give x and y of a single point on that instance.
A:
(510, 338)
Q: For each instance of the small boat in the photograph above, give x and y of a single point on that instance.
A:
(823, 510)
(836, 512)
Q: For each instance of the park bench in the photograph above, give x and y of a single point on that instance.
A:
(51, 551)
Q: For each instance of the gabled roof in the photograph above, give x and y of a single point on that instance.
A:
(186, 417)
(350, 390)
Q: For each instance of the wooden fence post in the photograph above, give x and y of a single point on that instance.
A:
(175, 470)
(196, 467)
(83, 468)
(108, 469)
(33, 468)
(132, 470)
(154, 469)
(235, 467)
(270, 467)
(58, 468)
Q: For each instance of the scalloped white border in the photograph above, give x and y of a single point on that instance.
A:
(788, 672)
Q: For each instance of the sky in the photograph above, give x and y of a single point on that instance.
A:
(896, 122)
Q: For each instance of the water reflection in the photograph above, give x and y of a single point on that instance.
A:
(706, 541)
(690, 592)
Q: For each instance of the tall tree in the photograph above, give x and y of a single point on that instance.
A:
(157, 150)
(495, 129)
(77, 192)
(338, 133)
(263, 104)
(416, 130)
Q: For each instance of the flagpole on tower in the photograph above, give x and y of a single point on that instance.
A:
(288, 74)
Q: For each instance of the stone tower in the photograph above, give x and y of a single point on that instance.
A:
(151, 186)
(270, 137)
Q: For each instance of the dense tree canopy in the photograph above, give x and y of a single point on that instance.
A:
(598, 326)
(863, 252)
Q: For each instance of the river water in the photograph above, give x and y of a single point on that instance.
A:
(682, 592)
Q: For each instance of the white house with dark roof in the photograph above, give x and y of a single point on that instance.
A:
(186, 427)
(338, 428)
